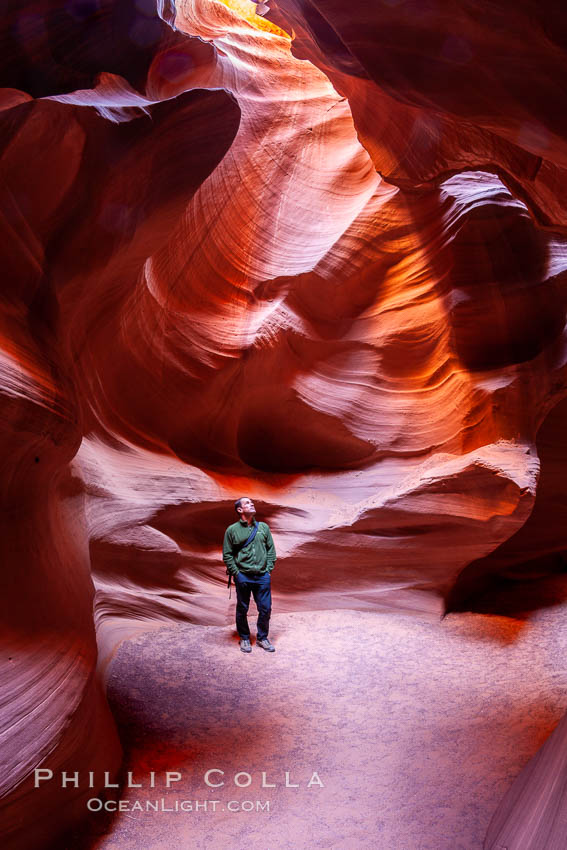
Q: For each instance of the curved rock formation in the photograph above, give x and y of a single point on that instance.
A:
(63, 222)
(317, 255)
(531, 814)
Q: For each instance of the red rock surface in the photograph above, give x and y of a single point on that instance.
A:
(316, 256)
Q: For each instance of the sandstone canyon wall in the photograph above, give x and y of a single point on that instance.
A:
(317, 256)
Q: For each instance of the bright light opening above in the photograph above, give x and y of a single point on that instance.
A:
(247, 10)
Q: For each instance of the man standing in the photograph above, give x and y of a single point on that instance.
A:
(249, 554)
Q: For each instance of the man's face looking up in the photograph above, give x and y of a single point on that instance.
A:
(246, 507)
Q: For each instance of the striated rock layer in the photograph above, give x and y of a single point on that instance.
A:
(317, 257)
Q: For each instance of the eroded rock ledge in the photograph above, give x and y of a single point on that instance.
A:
(318, 256)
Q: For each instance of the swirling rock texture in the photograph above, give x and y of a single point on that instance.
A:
(317, 256)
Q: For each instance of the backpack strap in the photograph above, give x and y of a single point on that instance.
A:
(251, 537)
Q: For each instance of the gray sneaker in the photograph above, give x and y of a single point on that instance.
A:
(245, 645)
(265, 644)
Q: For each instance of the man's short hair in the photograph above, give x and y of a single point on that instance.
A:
(237, 503)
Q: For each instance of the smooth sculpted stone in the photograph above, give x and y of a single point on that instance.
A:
(305, 250)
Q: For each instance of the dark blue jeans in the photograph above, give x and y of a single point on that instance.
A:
(260, 586)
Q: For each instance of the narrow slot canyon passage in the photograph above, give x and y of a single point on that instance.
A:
(307, 255)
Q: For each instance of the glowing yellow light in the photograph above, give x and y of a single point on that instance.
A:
(247, 10)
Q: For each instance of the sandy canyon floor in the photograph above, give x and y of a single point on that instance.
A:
(415, 726)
